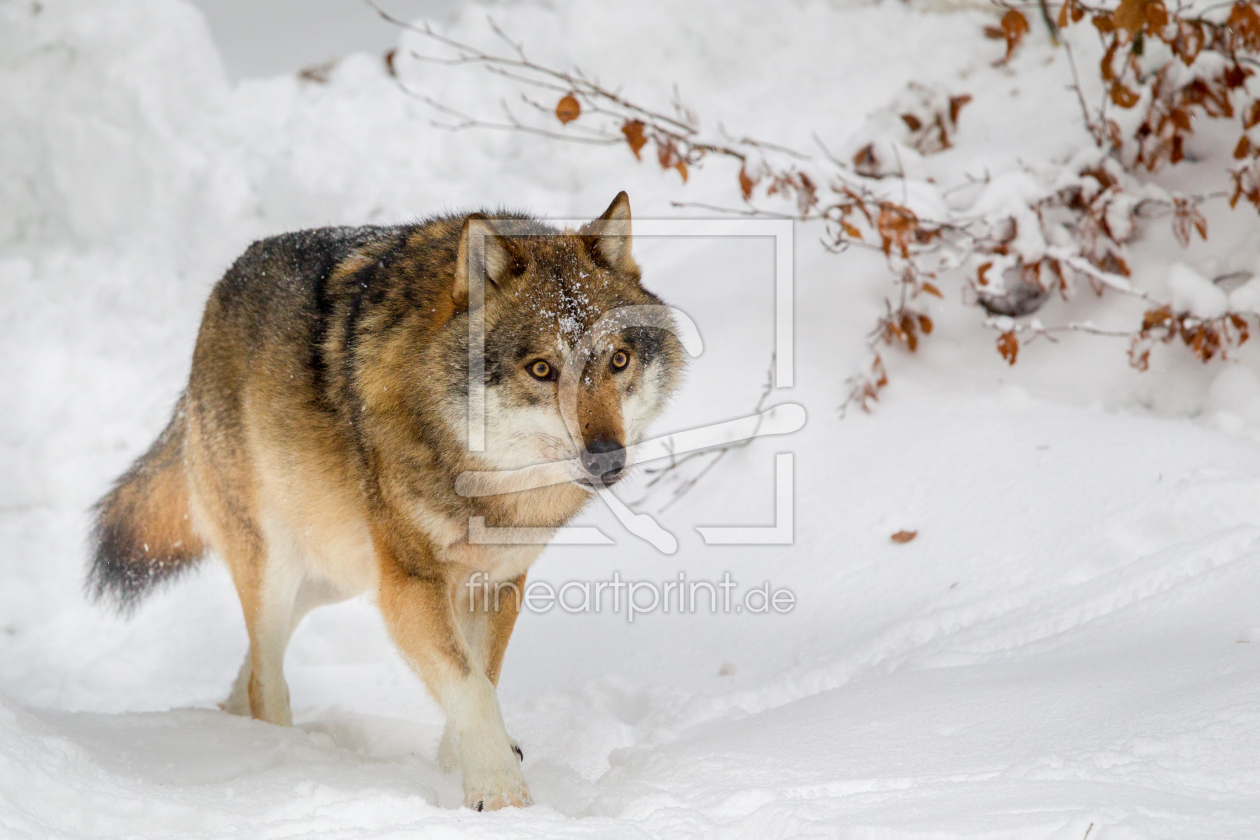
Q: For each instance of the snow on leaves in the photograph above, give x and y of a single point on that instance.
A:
(1205, 337)
(922, 120)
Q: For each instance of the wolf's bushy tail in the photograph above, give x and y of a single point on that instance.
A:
(143, 532)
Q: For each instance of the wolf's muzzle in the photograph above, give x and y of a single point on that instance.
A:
(604, 459)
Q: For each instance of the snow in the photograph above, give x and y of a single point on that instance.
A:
(1194, 293)
(1246, 298)
(1071, 640)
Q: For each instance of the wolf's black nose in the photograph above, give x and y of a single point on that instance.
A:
(604, 459)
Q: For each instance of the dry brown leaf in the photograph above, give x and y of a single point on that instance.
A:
(981, 271)
(1240, 324)
(1070, 12)
(746, 183)
(866, 162)
(568, 109)
(633, 130)
(956, 104)
(1153, 318)
(1186, 220)
(895, 226)
(666, 154)
(1252, 117)
(1014, 28)
(1130, 16)
(1008, 346)
(1122, 96)
(903, 537)
(1244, 26)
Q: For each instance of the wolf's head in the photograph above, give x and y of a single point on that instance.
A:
(579, 357)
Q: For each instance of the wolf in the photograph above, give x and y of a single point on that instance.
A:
(326, 421)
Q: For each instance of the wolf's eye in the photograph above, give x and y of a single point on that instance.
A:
(620, 359)
(541, 370)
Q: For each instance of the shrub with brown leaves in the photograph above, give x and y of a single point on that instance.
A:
(1167, 68)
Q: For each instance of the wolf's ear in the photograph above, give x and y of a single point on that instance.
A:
(608, 237)
(482, 253)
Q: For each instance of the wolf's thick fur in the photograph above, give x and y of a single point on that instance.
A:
(317, 445)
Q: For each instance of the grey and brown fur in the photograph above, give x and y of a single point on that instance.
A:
(317, 445)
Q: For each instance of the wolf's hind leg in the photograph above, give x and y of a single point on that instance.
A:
(269, 628)
(274, 598)
(311, 593)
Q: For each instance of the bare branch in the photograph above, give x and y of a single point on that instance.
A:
(672, 469)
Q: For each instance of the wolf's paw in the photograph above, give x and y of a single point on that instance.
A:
(500, 791)
(493, 779)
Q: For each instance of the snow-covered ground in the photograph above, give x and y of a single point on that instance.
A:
(1072, 640)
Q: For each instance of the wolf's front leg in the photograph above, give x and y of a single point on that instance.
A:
(486, 623)
(417, 611)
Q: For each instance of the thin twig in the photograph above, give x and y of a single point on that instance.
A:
(715, 454)
(1080, 95)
